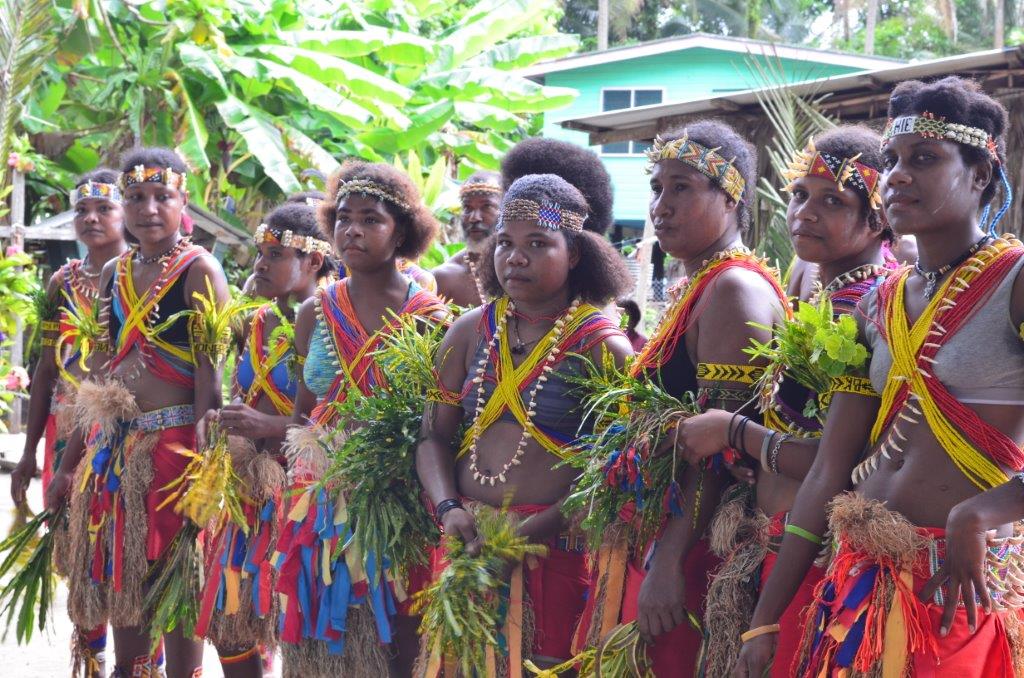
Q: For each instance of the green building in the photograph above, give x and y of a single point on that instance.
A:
(691, 67)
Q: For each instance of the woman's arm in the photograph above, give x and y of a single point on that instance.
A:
(849, 421)
(207, 390)
(305, 401)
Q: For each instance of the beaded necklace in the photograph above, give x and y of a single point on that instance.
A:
(473, 271)
(862, 273)
(932, 277)
(500, 341)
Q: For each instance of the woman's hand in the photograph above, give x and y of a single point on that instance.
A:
(241, 420)
(661, 605)
(203, 427)
(460, 522)
(704, 435)
(22, 476)
(756, 656)
(57, 491)
(963, 571)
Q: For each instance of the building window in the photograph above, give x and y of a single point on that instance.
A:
(617, 99)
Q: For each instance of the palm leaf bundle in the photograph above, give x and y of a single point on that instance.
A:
(85, 332)
(812, 348)
(27, 597)
(173, 598)
(621, 653)
(464, 608)
(375, 466)
(617, 463)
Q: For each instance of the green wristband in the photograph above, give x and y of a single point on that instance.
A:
(804, 534)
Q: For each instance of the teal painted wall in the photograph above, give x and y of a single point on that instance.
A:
(684, 75)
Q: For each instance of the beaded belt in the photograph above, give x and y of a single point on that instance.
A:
(1004, 570)
(165, 417)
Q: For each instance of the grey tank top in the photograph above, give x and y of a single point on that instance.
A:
(982, 364)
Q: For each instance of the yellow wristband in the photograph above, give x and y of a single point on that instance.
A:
(759, 631)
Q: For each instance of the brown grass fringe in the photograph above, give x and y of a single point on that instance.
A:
(615, 538)
(126, 607)
(867, 525)
(1015, 636)
(105, 403)
(244, 628)
(364, 655)
(306, 456)
(260, 473)
(87, 601)
(739, 536)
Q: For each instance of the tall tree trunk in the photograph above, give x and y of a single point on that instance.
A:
(869, 30)
(602, 24)
(1000, 25)
(842, 8)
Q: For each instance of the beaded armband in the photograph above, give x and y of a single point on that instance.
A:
(740, 374)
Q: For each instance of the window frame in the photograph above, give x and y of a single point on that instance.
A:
(632, 98)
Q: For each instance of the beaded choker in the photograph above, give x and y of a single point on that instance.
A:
(705, 160)
(179, 246)
(371, 188)
(152, 175)
(303, 243)
(931, 127)
(479, 188)
(932, 278)
(851, 277)
(96, 189)
(843, 171)
(550, 215)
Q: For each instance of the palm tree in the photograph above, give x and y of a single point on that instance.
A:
(602, 24)
(869, 29)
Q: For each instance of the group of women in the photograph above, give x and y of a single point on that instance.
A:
(871, 558)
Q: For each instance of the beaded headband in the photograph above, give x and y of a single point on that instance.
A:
(843, 171)
(550, 215)
(152, 175)
(479, 188)
(705, 160)
(303, 243)
(931, 127)
(96, 189)
(372, 188)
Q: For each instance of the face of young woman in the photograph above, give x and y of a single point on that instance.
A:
(532, 263)
(928, 186)
(98, 222)
(153, 211)
(479, 215)
(689, 212)
(279, 271)
(365, 233)
(827, 224)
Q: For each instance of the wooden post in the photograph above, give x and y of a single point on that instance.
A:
(17, 241)
(643, 258)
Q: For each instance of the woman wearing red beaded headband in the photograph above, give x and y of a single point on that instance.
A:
(927, 531)
(157, 382)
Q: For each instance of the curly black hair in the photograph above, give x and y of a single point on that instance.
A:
(599, 276)
(732, 147)
(100, 175)
(300, 219)
(416, 223)
(484, 177)
(579, 166)
(153, 156)
(961, 101)
(846, 141)
(304, 197)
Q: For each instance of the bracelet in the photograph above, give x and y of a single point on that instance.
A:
(765, 446)
(773, 456)
(804, 534)
(759, 631)
(741, 435)
(444, 507)
(732, 433)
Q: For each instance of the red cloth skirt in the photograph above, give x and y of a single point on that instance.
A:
(49, 450)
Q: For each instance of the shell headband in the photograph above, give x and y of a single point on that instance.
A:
(843, 171)
(96, 189)
(303, 243)
(550, 215)
(705, 160)
(152, 175)
(371, 188)
(479, 188)
(929, 126)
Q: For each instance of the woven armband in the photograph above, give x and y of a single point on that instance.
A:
(444, 396)
(849, 384)
(740, 374)
(50, 326)
(48, 342)
(300, 360)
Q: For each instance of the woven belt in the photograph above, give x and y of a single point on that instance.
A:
(166, 417)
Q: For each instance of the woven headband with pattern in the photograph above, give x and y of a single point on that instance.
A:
(371, 188)
(930, 126)
(152, 175)
(549, 215)
(705, 160)
(479, 188)
(845, 172)
(303, 243)
(97, 189)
